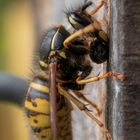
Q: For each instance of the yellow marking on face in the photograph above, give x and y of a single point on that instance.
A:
(39, 120)
(62, 54)
(45, 132)
(53, 39)
(39, 87)
(72, 21)
(103, 35)
(43, 64)
(43, 106)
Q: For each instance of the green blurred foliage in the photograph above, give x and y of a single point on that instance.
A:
(3, 6)
(3, 3)
(2, 63)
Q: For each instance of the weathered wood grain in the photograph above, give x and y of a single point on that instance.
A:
(123, 105)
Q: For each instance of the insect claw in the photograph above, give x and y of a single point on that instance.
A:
(120, 77)
(89, 110)
(98, 74)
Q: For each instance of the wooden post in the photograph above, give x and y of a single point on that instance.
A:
(123, 103)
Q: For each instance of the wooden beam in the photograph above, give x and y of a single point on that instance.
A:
(123, 102)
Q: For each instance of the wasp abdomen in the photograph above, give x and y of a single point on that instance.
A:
(37, 108)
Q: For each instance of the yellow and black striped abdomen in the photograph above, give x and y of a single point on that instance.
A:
(37, 106)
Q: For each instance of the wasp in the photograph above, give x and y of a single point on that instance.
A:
(48, 95)
(64, 67)
(40, 101)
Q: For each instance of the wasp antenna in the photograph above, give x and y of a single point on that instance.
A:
(65, 10)
(71, 8)
(86, 5)
(85, 1)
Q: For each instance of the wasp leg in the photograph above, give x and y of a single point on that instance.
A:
(83, 107)
(81, 96)
(90, 28)
(95, 10)
(97, 78)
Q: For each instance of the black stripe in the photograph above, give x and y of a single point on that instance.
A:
(33, 94)
(39, 129)
(33, 113)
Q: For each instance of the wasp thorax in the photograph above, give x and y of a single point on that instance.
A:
(52, 41)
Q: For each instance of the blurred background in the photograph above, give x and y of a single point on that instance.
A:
(22, 23)
(17, 38)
